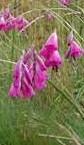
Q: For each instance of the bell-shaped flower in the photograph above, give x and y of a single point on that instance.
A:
(21, 23)
(50, 46)
(54, 60)
(65, 2)
(40, 77)
(22, 82)
(10, 24)
(74, 49)
(17, 75)
(26, 84)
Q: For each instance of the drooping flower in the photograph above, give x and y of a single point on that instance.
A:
(21, 85)
(16, 84)
(54, 60)
(39, 77)
(29, 75)
(65, 2)
(21, 23)
(50, 46)
(10, 24)
(74, 49)
(38, 72)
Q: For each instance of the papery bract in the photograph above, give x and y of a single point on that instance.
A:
(70, 38)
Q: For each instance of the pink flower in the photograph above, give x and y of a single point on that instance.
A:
(50, 46)
(16, 84)
(65, 2)
(54, 60)
(21, 85)
(38, 73)
(49, 16)
(29, 75)
(21, 23)
(2, 22)
(40, 77)
(74, 49)
(10, 24)
(6, 14)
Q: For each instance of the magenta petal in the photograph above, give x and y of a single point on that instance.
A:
(54, 60)
(2, 23)
(40, 78)
(76, 50)
(50, 46)
(65, 2)
(27, 74)
(13, 91)
(40, 62)
(27, 90)
(17, 74)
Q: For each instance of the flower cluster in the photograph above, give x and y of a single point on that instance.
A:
(30, 71)
(50, 52)
(8, 22)
(29, 75)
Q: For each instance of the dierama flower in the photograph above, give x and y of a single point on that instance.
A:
(21, 85)
(29, 75)
(40, 78)
(38, 72)
(21, 23)
(54, 60)
(74, 49)
(65, 2)
(50, 46)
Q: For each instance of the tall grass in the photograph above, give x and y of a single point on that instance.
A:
(55, 115)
